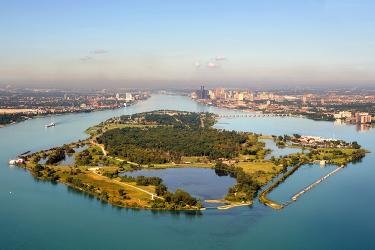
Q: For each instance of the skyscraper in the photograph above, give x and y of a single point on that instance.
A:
(202, 93)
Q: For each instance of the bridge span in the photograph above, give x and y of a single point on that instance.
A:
(257, 115)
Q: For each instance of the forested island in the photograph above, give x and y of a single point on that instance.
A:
(165, 139)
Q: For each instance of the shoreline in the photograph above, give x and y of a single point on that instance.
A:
(65, 113)
(249, 110)
(95, 179)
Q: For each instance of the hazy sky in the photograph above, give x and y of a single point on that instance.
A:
(137, 43)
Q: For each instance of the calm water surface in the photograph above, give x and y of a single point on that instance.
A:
(276, 151)
(337, 214)
(202, 183)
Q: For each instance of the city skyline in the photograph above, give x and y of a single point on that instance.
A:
(152, 44)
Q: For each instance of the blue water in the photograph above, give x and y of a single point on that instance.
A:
(202, 183)
(303, 177)
(276, 151)
(69, 158)
(39, 215)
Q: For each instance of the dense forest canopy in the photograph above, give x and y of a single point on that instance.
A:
(172, 118)
(164, 144)
(178, 134)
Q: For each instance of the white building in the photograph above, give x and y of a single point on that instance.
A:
(343, 115)
(129, 97)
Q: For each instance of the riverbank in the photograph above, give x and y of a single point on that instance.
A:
(11, 117)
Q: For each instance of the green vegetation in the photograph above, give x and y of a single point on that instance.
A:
(171, 118)
(175, 201)
(142, 180)
(164, 139)
(337, 156)
(167, 200)
(56, 156)
(165, 144)
(246, 187)
(13, 118)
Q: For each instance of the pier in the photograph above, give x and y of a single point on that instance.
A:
(273, 204)
(296, 196)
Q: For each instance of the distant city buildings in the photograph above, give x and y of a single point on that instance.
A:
(357, 117)
(343, 115)
(318, 106)
(49, 102)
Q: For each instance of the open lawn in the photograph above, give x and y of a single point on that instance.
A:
(263, 171)
(183, 165)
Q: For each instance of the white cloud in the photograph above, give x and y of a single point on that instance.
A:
(212, 65)
(220, 58)
(197, 65)
(86, 58)
(99, 51)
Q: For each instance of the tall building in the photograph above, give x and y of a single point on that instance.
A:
(362, 118)
(211, 94)
(202, 93)
(239, 96)
(219, 93)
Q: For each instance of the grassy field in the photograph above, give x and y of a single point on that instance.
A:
(195, 159)
(135, 196)
(263, 171)
(182, 165)
(97, 184)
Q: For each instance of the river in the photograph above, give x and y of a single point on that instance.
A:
(337, 214)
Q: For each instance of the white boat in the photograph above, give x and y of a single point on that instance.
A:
(17, 161)
(50, 125)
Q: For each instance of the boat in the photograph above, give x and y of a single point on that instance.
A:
(50, 125)
(17, 161)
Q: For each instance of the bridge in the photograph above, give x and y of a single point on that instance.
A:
(257, 115)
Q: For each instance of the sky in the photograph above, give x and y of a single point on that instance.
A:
(187, 43)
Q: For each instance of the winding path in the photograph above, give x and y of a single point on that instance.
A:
(140, 189)
(128, 185)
